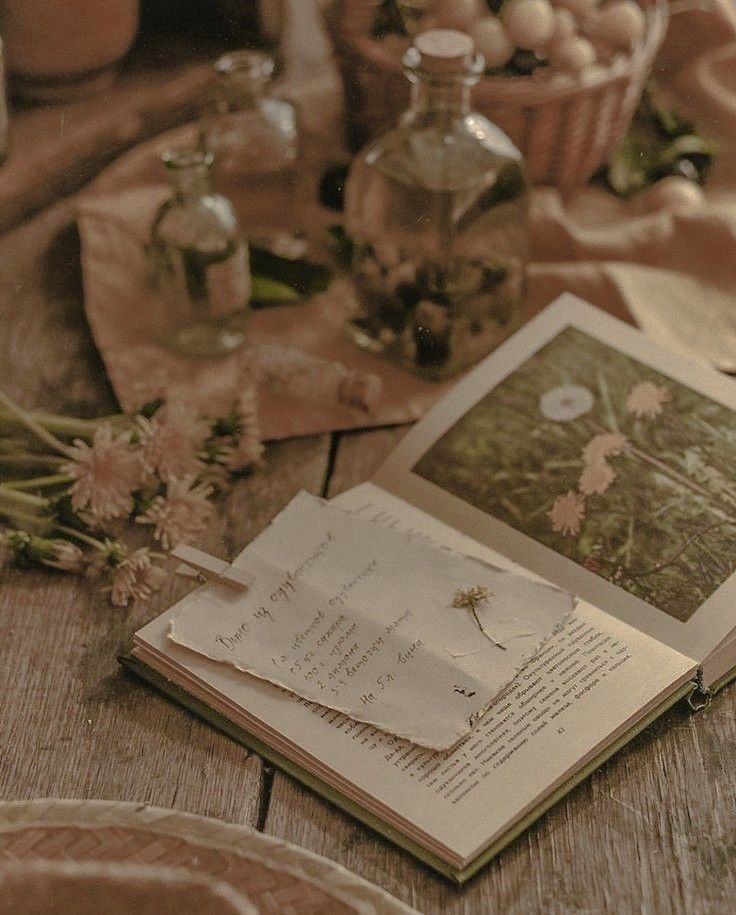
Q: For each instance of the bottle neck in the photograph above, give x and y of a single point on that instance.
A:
(447, 98)
(241, 91)
(190, 185)
(189, 173)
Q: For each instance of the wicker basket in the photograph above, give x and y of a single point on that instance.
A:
(565, 125)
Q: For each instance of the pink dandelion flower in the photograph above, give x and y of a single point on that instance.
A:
(248, 450)
(216, 476)
(596, 478)
(136, 577)
(169, 444)
(246, 453)
(105, 474)
(647, 399)
(57, 553)
(246, 406)
(246, 409)
(179, 514)
(567, 513)
(243, 449)
(605, 445)
(65, 556)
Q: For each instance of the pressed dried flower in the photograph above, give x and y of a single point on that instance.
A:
(567, 513)
(136, 577)
(105, 475)
(647, 399)
(596, 478)
(468, 599)
(566, 402)
(604, 445)
(180, 513)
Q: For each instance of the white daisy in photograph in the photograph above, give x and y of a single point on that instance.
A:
(566, 402)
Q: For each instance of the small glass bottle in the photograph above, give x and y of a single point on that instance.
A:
(437, 213)
(201, 267)
(254, 140)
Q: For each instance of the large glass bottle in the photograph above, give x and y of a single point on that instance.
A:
(437, 213)
(253, 137)
(201, 267)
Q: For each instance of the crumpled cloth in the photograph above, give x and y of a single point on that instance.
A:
(672, 271)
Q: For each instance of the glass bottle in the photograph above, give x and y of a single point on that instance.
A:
(436, 210)
(201, 267)
(254, 140)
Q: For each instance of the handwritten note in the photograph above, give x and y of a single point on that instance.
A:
(375, 623)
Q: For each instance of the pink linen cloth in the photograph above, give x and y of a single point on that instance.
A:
(310, 376)
(670, 269)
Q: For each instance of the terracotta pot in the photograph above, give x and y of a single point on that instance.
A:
(49, 41)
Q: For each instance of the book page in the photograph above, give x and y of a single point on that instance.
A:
(592, 457)
(377, 623)
(590, 682)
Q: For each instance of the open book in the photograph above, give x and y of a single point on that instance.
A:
(578, 454)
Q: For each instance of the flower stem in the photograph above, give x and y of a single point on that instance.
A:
(8, 444)
(39, 525)
(31, 424)
(64, 426)
(24, 499)
(56, 479)
(26, 460)
(26, 510)
(82, 537)
(480, 626)
(661, 466)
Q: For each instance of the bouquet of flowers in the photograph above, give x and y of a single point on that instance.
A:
(160, 468)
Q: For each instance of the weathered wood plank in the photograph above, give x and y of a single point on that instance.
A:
(359, 454)
(651, 832)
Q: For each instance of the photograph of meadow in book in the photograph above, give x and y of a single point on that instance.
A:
(609, 463)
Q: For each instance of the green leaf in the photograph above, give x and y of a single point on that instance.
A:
(658, 143)
(305, 277)
(269, 291)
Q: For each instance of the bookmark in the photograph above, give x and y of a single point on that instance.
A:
(209, 568)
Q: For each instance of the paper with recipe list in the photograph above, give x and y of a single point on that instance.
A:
(379, 624)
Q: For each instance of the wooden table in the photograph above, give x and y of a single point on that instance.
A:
(653, 831)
